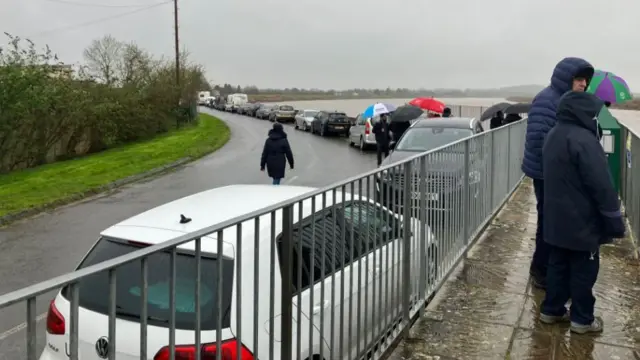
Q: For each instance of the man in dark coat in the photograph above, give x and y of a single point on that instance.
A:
(581, 211)
(446, 112)
(381, 131)
(569, 74)
(276, 153)
(497, 120)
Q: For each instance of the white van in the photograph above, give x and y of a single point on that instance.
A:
(203, 96)
(234, 101)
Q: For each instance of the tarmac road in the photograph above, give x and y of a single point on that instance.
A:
(52, 244)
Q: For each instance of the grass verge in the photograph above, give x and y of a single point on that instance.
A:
(53, 183)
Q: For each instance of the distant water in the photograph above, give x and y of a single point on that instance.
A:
(354, 106)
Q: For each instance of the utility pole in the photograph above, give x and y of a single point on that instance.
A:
(177, 44)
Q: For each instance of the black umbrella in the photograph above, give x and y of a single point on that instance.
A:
(493, 110)
(406, 113)
(519, 108)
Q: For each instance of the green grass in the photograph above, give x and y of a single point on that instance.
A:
(54, 183)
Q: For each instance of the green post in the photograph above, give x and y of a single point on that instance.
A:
(611, 140)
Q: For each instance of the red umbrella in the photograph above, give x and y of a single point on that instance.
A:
(428, 104)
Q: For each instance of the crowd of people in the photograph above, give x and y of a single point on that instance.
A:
(577, 204)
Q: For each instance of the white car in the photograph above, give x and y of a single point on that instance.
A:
(214, 206)
(304, 118)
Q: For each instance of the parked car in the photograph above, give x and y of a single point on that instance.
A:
(263, 111)
(304, 118)
(361, 132)
(244, 109)
(330, 122)
(252, 109)
(282, 113)
(446, 173)
(375, 235)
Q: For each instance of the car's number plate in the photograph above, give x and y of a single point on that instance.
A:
(339, 127)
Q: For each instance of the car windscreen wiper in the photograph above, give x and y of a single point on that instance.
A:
(121, 312)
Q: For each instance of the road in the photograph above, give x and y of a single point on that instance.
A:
(51, 244)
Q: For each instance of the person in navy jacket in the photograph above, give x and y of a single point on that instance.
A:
(581, 211)
(569, 74)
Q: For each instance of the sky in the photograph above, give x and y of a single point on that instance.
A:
(341, 44)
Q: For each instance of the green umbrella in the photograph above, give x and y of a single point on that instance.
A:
(609, 87)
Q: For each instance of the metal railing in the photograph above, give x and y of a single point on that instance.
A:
(630, 173)
(334, 273)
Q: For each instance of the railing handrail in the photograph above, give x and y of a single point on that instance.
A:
(65, 279)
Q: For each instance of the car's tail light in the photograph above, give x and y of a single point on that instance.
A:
(55, 320)
(367, 128)
(229, 349)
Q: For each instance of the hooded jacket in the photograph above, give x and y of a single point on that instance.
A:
(542, 115)
(581, 207)
(276, 153)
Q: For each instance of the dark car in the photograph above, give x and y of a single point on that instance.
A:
(263, 111)
(330, 122)
(251, 111)
(282, 113)
(245, 109)
(445, 170)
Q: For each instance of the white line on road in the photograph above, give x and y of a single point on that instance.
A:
(293, 178)
(17, 329)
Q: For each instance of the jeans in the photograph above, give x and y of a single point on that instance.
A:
(571, 275)
(541, 253)
(276, 181)
(380, 150)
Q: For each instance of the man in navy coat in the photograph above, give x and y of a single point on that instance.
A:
(569, 74)
(581, 211)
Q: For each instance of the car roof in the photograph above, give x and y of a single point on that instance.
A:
(451, 122)
(205, 209)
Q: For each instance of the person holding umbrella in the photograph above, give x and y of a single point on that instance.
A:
(446, 112)
(570, 73)
(497, 120)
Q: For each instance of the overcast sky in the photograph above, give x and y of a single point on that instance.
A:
(354, 43)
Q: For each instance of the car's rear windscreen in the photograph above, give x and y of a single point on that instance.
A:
(286, 108)
(94, 289)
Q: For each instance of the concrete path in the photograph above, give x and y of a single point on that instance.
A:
(488, 309)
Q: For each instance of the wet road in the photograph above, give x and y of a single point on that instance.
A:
(52, 244)
(488, 310)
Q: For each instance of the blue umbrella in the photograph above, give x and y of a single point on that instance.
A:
(378, 109)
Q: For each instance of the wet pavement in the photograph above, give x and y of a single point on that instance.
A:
(488, 309)
(53, 243)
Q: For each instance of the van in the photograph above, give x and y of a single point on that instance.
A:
(234, 101)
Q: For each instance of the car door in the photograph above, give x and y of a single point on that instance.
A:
(356, 130)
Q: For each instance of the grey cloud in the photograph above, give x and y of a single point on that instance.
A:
(359, 43)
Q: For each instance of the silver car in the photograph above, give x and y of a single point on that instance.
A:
(304, 118)
(361, 133)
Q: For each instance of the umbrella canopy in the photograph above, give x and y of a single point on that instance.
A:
(378, 109)
(493, 110)
(406, 113)
(519, 108)
(609, 87)
(428, 104)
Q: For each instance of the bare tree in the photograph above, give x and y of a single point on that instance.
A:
(103, 57)
(135, 65)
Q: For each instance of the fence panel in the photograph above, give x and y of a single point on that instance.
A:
(336, 273)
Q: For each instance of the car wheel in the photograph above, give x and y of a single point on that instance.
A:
(350, 141)
(296, 126)
(304, 126)
(361, 143)
(322, 131)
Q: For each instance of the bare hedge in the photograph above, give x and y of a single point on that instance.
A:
(122, 94)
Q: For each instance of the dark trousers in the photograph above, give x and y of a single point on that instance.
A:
(276, 181)
(382, 149)
(571, 275)
(541, 253)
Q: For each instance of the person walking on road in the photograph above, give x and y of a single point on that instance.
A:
(276, 153)
(381, 131)
(581, 212)
(569, 74)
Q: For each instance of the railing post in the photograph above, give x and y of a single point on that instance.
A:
(422, 215)
(492, 173)
(465, 194)
(509, 158)
(287, 283)
(406, 239)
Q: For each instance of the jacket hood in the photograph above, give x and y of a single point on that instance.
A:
(566, 70)
(581, 109)
(277, 132)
